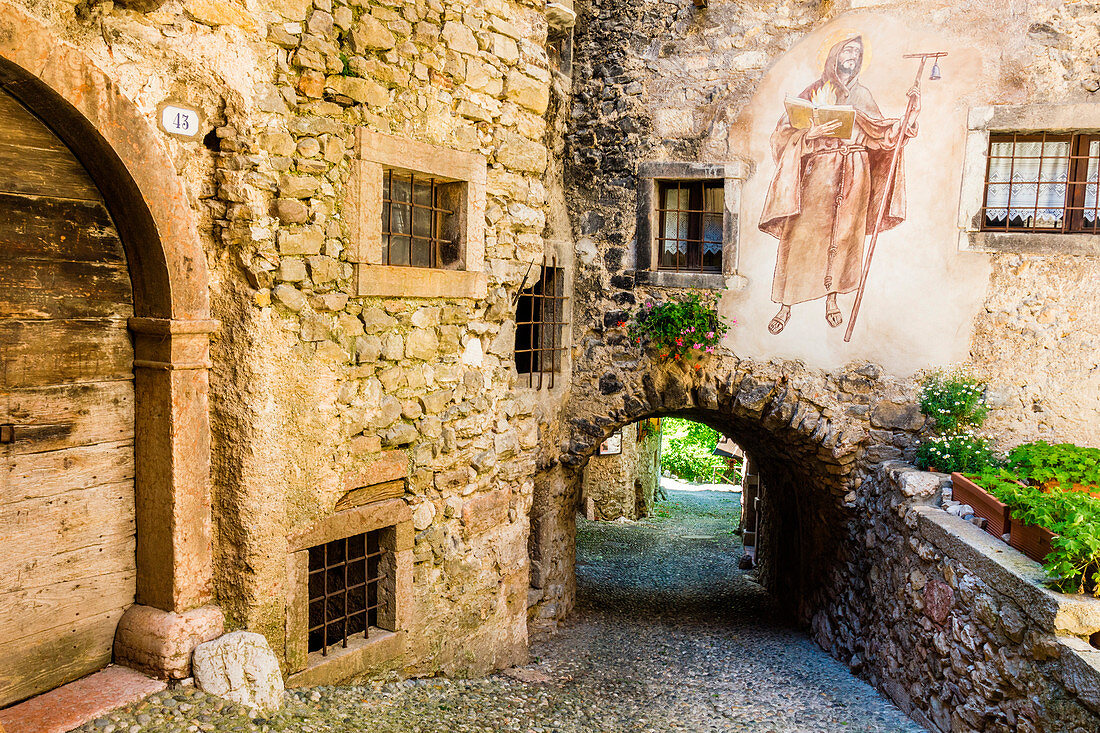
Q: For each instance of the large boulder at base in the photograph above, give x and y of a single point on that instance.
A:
(241, 667)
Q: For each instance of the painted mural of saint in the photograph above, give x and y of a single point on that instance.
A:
(826, 193)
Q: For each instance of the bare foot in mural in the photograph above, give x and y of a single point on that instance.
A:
(833, 315)
(779, 322)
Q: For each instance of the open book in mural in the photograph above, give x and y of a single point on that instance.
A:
(831, 190)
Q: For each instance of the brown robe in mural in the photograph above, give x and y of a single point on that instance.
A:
(826, 193)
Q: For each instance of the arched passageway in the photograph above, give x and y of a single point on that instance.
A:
(811, 435)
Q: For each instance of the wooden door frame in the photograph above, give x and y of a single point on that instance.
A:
(126, 158)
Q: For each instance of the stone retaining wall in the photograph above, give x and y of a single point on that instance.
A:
(953, 624)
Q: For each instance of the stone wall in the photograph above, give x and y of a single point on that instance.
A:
(623, 484)
(955, 626)
(673, 82)
(316, 391)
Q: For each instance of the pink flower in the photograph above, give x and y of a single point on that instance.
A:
(697, 346)
(710, 334)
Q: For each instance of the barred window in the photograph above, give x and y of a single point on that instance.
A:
(1042, 182)
(419, 222)
(344, 580)
(540, 322)
(690, 225)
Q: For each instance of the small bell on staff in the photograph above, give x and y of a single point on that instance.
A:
(935, 75)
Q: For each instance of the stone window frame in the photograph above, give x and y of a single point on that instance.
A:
(981, 121)
(376, 152)
(306, 668)
(650, 174)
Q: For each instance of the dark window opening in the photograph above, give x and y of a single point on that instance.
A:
(344, 578)
(690, 227)
(540, 322)
(419, 223)
(1042, 182)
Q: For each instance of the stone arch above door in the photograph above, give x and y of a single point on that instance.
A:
(126, 158)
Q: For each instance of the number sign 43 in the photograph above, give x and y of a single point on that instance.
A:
(179, 120)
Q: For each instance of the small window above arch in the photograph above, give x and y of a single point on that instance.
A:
(687, 223)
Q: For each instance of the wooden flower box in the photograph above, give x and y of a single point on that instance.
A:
(1031, 539)
(985, 505)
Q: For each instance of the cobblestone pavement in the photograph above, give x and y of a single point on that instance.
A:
(668, 636)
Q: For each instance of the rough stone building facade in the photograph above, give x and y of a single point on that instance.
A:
(624, 481)
(301, 398)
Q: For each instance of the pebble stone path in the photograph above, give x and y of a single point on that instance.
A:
(668, 636)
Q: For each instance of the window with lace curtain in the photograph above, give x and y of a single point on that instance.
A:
(690, 225)
(1042, 182)
(686, 235)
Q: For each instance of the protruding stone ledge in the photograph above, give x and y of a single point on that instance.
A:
(1010, 572)
(159, 643)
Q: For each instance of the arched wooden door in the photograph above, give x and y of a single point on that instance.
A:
(67, 568)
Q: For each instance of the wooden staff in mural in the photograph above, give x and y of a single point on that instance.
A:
(837, 160)
(910, 112)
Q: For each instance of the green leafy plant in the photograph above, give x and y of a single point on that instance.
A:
(1063, 464)
(647, 428)
(953, 400)
(1038, 485)
(1073, 516)
(962, 452)
(687, 452)
(678, 328)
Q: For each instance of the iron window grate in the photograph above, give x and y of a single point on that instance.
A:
(344, 578)
(540, 325)
(1041, 182)
(691, 225)
(413, 220)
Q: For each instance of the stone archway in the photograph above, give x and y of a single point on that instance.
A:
(126, 159)
(813, 436)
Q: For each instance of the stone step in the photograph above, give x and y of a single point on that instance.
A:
(78, 702)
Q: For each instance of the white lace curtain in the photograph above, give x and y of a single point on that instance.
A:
(1027, 181)
(676, 222)
(676, 232)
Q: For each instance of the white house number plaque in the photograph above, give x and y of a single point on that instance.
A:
(175, 119)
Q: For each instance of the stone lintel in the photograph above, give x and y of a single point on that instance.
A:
(420, 282)
(350, 522)
(684, 170)
(159, 643)
(1034, 118)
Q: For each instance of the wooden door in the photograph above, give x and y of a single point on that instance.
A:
(66, 387)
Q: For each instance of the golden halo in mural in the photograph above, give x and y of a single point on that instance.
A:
(837, 35)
